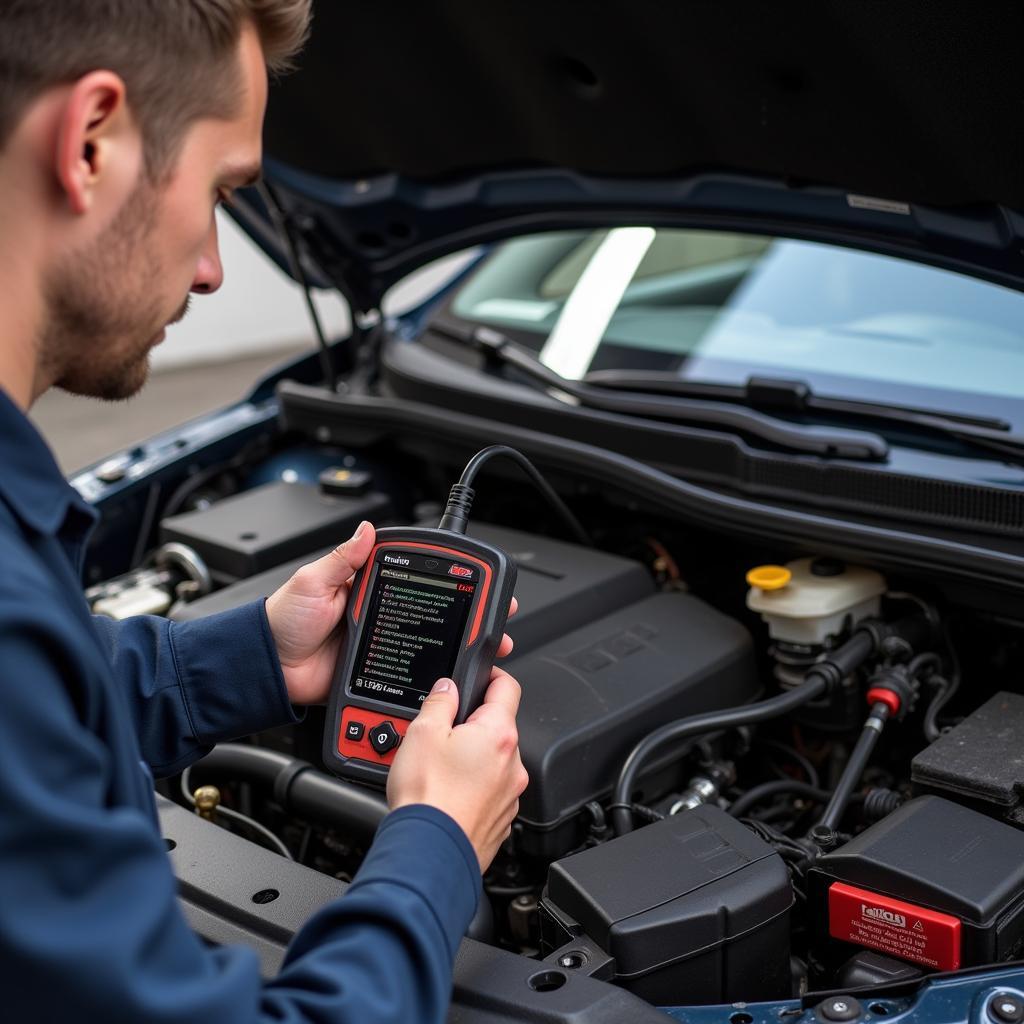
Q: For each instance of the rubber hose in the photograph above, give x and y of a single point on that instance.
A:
(309, 793)
(299, 787)
(819, 677)
(866, 743)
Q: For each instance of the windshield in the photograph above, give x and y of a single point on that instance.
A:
(722, 307)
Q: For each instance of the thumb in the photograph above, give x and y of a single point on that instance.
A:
(439, 709)
(338, 566)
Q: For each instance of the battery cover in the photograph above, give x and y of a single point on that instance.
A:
(934, 883)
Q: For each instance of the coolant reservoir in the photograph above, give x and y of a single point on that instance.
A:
(811, 599)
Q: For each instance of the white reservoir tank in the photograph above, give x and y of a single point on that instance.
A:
(812, 599)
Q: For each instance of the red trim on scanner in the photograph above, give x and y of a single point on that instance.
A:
(462, 556)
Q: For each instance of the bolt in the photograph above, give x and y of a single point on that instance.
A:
(840, 1008)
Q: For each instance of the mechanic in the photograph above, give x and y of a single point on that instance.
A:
(122, 124)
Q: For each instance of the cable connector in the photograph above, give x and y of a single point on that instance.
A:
(893, 686)
(456, 513)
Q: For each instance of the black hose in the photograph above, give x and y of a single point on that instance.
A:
(299, 787)
(855, 766)
(309, 793)
(740, 806)
(819, 678)
(711, 721)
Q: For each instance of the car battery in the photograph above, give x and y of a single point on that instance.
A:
(934, 883)
(258, 529)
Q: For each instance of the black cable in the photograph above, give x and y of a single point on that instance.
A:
(801, 760)
(819, 678)
(148, 517)
(283, 228)
(855, 766)
(945, 690)
(754, 796)
(232, 815)
(460, 501)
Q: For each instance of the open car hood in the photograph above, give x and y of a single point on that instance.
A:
(413, 130)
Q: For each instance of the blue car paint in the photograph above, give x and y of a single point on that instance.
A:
(948, 999)
(985, 241)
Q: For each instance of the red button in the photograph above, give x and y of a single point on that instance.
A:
(360, 720)
(901, 929)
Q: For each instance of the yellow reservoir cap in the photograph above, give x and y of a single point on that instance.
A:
(769, 577)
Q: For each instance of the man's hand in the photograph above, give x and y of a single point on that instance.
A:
(306, 618)
(472, 771)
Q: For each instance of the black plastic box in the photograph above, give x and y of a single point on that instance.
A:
(693, 909)
(258, 529)
(591, 695)
(962, 870)
(980, 761)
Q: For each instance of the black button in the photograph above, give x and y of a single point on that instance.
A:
(1006, 1008)
(431, 563)
(840, 1008)
(383, 737)
(354, 731)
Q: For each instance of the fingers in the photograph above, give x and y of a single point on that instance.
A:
(339, 565)
(440, 707)
(503, 693)
(513, 608)
(505, 647)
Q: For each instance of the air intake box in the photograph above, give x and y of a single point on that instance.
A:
(693, 909)
(934, 883)
(591, 695)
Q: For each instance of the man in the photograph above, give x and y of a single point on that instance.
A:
(122, 124)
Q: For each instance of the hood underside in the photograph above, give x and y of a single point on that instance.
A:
(414, 129)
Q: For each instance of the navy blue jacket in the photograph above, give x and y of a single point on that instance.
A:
(89, 927)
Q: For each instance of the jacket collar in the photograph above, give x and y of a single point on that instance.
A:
(31, 482)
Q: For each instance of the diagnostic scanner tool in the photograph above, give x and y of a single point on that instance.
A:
(427, 604)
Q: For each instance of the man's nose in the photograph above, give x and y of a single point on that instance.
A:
(209, 273)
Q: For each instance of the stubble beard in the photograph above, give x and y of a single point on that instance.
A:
(103, 307)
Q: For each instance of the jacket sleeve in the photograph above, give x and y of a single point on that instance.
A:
(191, 685)
(89, 923)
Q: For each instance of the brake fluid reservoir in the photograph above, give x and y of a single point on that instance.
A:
(812, 599)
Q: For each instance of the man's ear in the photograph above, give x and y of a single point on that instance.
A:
(92, 133)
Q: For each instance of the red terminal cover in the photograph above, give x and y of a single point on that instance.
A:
(901, 929)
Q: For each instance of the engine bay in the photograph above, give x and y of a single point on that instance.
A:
(839, 810)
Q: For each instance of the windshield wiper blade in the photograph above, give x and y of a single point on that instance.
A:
(776, 394)
(830, 442)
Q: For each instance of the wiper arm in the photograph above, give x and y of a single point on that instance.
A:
(813, 440)
(774, 394)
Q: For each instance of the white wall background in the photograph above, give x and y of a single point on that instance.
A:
(259, 309)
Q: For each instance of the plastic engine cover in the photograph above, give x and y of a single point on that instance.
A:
(589, 696)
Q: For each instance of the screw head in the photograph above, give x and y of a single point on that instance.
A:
(839, 1009)
(1006, 1008)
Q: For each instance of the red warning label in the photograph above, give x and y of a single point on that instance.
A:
(900, 929)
